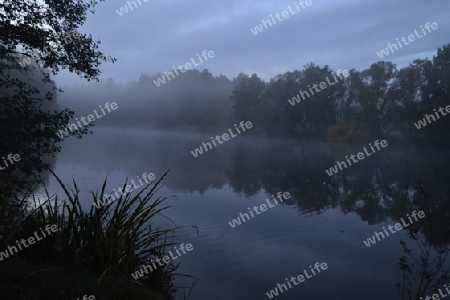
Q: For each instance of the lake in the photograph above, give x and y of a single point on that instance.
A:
(326, 219)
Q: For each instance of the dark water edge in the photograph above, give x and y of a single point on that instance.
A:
(326, 219)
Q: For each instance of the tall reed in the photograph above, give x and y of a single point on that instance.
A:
(115, 239)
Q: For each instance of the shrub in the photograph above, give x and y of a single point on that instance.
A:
(346, 132)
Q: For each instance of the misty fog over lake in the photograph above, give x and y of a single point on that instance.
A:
(326, 218)
(226, 150)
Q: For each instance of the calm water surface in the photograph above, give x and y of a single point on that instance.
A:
(325, 220)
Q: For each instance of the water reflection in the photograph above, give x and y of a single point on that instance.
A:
(377, 188)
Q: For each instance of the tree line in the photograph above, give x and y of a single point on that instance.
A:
(379, 101)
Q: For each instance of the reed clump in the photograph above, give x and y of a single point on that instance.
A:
(105, 244)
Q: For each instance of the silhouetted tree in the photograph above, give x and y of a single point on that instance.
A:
(38, 38)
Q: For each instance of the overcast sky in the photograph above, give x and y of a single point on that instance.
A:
(343, 34)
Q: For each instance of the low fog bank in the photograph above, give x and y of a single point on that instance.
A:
(194, 101)
(315, 102)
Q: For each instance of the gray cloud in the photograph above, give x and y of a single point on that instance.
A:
(343, 34)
